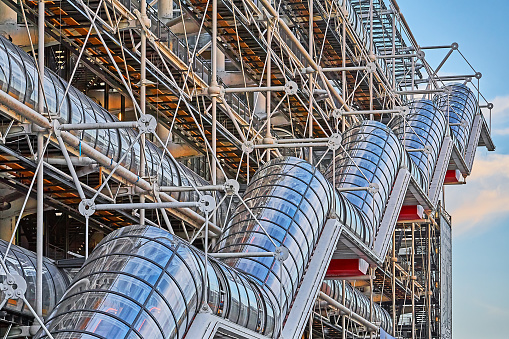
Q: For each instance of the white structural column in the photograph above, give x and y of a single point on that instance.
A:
(311, 84)
(412, 280)
(40, 175)
(143, 102)
(394, 259)
(214, 91)
(343, 64)
(268, 134)
(372, 57)
(165, 10)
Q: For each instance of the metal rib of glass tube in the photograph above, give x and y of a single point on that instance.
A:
(18, 78)
(23, 262)
(372, 154)
(291, 200)
(353, 219)
(424, 126)
(460, 108)
(357, 302)
(142, 282)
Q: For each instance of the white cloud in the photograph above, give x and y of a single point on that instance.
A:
(501, 131)
(485, 197)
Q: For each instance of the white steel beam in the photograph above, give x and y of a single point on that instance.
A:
(304, 301)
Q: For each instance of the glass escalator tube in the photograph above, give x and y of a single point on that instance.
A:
(357, 302)
(459, 108)
(423, 127)
(371, 153)
(142, 282)
(290, 199)
(150, 271)
(21, 261)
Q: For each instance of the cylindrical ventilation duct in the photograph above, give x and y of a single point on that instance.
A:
(18, 78)
(460, 108)
(23, 262)
(423, 128)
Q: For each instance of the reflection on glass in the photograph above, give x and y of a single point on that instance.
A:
(423, 127)
(22, 262)
(371, 153)
(357, 302)
(142, 282)
(290, 199)
(460, 108)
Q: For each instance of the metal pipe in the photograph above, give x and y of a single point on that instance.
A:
(40, 222)
(369, 325)
(413, 280)
(242, 255)
(420, 91)
(371, 304)
(213, 83)
(301, 49)
(371, 55)
(77, 161)
(311, 46)
(309, 70)
(446, 78)
(370, 112)
(350, 189)
(254, 89)
(343, 317)
(146, 205)
(268, 134)
(287, 141)
(343, 73)
(276, 145)
(143, 96)
(191, 188)
(428, 280)
(71, 167)
(103, 125)
(393, 283)
(437, 47)
(393, 56)
(40, 174)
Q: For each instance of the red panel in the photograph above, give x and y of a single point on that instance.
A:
(452, 177)
(342, 268)
(411, 212)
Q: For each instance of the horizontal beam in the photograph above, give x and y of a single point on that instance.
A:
(421, 91)
(379, 111)
(191, 188)
(146, 205)
(101, 125)
(291, 145)
(369, 325)
(254, 89)
(225, 255)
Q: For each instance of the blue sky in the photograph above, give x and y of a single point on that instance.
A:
(480, 209)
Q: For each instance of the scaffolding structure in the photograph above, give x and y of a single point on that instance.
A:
(283, 164)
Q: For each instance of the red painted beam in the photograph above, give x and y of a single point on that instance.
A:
(411, 212)
(344, 268)
(452, 177)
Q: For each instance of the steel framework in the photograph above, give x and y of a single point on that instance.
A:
(283, 163)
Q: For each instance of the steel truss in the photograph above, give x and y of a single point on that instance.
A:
(237, 83)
